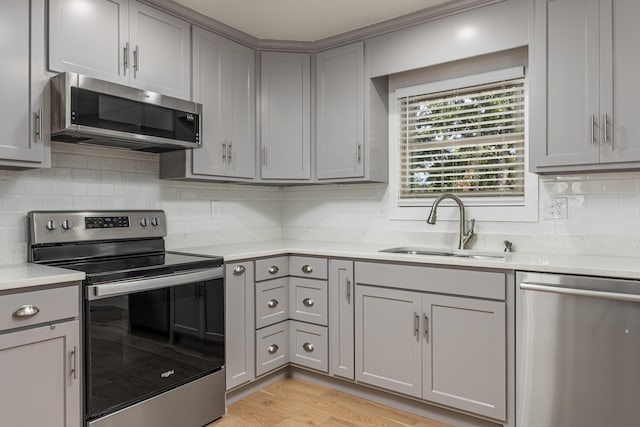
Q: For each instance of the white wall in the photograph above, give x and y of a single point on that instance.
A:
(603, 218)
(91, 177)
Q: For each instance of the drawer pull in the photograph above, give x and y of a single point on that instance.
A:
(26, 311)
(272, 349)
(308, 347)
(273, 269)
(307, 269)
(273, 303)
(238, 270)
(308, 302)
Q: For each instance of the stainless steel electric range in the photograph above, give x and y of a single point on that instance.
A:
(153, 320)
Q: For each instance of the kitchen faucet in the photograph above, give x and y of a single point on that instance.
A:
(464, 236)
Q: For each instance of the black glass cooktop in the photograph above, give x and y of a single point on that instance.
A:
(141, 266)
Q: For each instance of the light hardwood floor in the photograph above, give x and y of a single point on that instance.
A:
(295, 403)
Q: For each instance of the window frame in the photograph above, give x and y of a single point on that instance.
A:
(494, 208)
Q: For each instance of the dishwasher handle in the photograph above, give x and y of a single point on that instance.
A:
(579, 292)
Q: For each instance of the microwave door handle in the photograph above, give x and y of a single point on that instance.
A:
(129, 286)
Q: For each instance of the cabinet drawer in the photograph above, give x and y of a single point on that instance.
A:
(308, 300)
(272, 347)
(272, 302)
(272, 268)
(313, 268)
(308, 345)
(53, 305)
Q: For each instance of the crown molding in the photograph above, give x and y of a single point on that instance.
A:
(369, 31)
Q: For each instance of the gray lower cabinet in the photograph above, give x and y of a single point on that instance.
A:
(272, 347)
(308, 300)
(308, 345)
(24, 117)
(272, 302)
(40, 358)
(341, 339)
(444, 349)
(239, 323)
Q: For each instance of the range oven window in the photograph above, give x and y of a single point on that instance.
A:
(104, 111)
(144, 343)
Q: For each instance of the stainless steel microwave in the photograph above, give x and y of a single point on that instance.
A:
(92, 111)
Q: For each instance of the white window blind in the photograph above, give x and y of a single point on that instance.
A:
(467, 141)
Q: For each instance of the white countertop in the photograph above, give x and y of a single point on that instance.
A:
(19, 276)
(591, 265)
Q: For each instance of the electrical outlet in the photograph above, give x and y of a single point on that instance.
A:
(556, 209)
(215, 209)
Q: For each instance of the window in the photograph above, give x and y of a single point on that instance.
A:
(464, 136)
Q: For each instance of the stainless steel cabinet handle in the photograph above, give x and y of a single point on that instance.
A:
(264, 155)
(593, 131)
(359, 153)
(25, 311)
(224, 152)
(416, 325)
(136, 58)
(307, 269)
(272, 349)
(38, 124)
(74, 354)
(229, 153)
(125, 61)
(272, 303)
(348, 290)
(605, 125)
(308, 302)
(238, 270)
(426, 327)
(273, 269)
(308, 347)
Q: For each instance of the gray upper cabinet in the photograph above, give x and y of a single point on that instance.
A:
(224, 83)
(24, 116)
(121, 41)
(239, 323)
(341, 318)
(285, 133)
(340, 112)
(584, 112)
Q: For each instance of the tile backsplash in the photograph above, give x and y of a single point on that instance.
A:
(586, 214)
(91, 177)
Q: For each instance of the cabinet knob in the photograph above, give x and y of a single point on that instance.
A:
(307, 269)
(239, 270)
(308, 302)
(308, 347)
(26, 311)
(273, 303)
(272, 349)
(273, 269)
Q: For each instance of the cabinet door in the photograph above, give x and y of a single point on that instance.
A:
(161, 51)
(565, 112)
(239, 323)
(22, 110)
(340, 112)
(40, 367)
(90, 37)
(285, 120)
(241, 110)
(620, 87)
(208, 89)
(464, 354)
(341, 318)
(388, 343)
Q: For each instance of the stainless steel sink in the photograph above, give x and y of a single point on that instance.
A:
(416, 251)
(432, 252)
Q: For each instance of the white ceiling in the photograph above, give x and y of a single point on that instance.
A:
(304, 20)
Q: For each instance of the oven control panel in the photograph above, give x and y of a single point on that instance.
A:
(76, 226)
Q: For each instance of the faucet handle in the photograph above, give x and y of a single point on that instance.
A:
(508, 246)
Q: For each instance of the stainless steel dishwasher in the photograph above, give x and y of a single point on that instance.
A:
(577, 351)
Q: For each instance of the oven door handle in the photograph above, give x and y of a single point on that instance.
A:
(130, 286)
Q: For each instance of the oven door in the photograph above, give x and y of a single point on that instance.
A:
(144, 337)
